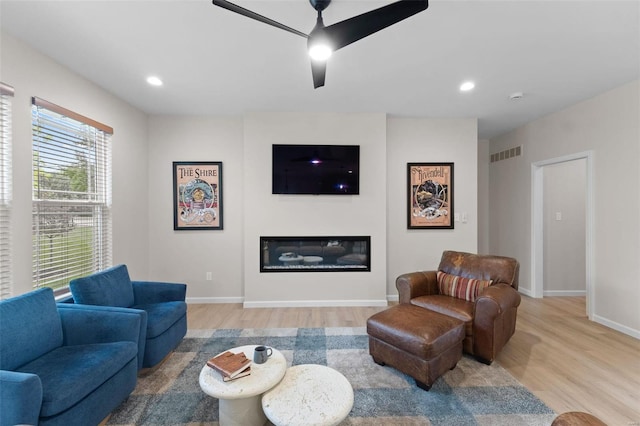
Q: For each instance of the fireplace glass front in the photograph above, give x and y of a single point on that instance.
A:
(315, 254)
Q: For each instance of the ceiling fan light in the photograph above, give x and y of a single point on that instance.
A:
(319, 44)
(320, 52)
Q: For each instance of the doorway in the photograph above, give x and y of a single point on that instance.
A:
(564, 194)
(549, 211)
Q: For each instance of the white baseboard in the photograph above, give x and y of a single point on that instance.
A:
(393, 298)
(565, 293)
(525, 291)
(312, 303)
(195, 300)
(618, 327)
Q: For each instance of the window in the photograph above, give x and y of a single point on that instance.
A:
(71, 195)
(6, 93)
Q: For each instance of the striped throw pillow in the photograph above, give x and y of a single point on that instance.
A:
(460, 287)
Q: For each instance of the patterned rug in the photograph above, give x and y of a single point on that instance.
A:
(470, 394)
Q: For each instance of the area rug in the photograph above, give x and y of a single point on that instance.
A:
(470, 394)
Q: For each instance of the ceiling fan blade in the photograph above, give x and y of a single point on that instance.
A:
(249, 14)
(318, 71)
(353, 29)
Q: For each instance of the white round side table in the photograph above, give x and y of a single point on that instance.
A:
(239, 400)
(309, 395)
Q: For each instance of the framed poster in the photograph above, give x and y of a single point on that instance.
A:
(430, 195)
(197, 195)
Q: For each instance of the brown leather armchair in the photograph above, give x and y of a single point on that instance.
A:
(490, 320)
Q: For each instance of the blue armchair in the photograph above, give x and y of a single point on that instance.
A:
(164, 304)
(61, 365)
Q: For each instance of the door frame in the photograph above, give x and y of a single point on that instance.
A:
(537, 225)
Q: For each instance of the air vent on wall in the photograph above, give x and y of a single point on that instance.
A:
(507, 153)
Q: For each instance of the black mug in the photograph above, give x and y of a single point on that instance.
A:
(261, 354)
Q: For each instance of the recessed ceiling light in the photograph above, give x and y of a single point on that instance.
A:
(467, 85)
(154, 81)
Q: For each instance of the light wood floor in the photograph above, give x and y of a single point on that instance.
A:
(570, 363)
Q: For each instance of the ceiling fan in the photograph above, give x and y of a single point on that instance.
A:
(322, 41)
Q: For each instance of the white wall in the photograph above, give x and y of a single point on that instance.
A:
(186, 256)
(251, 211)
(33, 74)
(429, 140)
(609, 126)
(266, 214)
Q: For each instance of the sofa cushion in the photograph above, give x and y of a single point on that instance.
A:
(110, 287)
(450, 306)
(460, 287)
(31, 327)
(161, 316)
(70, 373)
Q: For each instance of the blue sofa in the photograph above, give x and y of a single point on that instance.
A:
(163, 303)
(64, 365)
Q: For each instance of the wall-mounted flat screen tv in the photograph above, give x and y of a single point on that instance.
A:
(316, 169)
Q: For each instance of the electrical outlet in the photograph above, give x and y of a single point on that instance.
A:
(209, 276)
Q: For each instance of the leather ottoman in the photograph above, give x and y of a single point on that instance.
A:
(416, 341)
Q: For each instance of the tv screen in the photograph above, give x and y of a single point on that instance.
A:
(315, 169)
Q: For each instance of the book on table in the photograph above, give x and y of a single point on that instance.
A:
(243, 373)
(230, 365)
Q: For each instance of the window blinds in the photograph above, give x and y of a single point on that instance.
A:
(6, 95)
(71, 215)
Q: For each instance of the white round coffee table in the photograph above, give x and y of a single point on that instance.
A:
(239, 400)
(309, 395)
